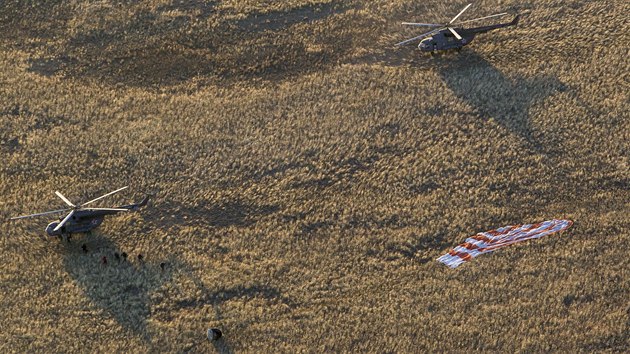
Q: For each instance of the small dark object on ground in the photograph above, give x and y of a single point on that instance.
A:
(117, 256)
(162, 265)
(84, 248)
(104, 260)
(140, 257)
(124, 255)
(214, 334)
(568, 300)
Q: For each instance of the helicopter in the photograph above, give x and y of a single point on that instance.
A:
(82, 219)
(446, 36)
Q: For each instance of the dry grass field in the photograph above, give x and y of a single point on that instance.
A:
(307, 174)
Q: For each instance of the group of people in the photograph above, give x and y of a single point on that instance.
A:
(121, 257)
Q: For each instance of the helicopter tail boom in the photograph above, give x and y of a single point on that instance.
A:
(484, 29)
(136, 206)
(144, 201)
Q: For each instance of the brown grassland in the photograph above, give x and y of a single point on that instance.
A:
(307, 174)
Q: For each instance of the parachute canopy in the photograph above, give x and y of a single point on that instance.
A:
(485, 242)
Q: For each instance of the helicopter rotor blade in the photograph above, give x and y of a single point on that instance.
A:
(482, 18)
(455, 33)
(459, 14)
(105, 195)
(421, 24)
(63, 222)
(39, 214)
(64, 199)
(419, 37)
(106, 209)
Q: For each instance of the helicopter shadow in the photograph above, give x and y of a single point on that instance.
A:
(125, 289)
(493, 95)
(217, 215)
(122, 287)
(477, 82)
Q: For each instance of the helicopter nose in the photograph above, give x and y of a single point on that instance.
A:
(51, 227)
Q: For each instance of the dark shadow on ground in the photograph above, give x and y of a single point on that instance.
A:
(40, 21)
(418, 249)
(395, 57)
(217, 297)
(172, 44)
(207, 213)
(325, 170)
(278, 20)
(477, 82)
(226, 294)
(193, 8)
(121, 287)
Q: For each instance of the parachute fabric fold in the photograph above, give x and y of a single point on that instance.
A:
(485, 242)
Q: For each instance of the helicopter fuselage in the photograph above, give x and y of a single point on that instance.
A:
(81, 222)
(445, 39)
(86, 220)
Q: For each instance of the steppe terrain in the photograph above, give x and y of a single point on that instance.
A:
(307, 174)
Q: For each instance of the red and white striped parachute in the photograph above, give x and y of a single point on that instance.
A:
(485, 242)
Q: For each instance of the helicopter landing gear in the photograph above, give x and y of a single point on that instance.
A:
(65, 237)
